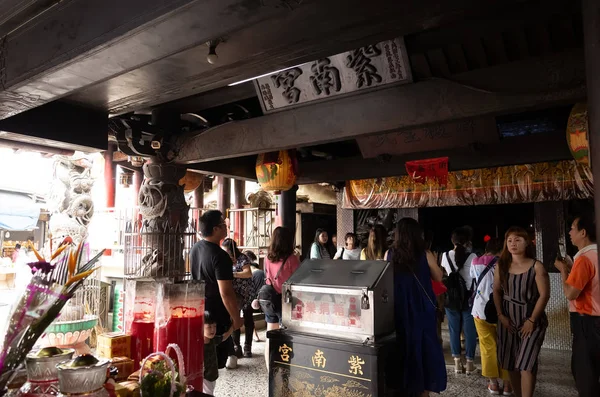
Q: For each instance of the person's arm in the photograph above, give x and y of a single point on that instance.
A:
(245, 273)
(338, 254)
(498, 303)
(542, 282)
(571, 292)
(228, 333)
(230, 302)
(314, 252)
(445, 264)
(436, 272)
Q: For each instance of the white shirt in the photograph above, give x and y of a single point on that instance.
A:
(486, 287)
(353, 254)
(465, 272)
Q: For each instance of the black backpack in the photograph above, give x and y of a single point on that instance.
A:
(457, 296)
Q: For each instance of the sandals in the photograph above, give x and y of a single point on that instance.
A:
(494, 388)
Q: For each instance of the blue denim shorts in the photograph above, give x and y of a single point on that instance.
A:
(272, 313)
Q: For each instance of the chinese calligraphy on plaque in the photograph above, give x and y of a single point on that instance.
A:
(318, 359)
(356, 364)
(285, 352)
(362, 68)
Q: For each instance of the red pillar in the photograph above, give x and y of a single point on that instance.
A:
(239, 189)
(110, 173)
(224, 198)
(138, 178)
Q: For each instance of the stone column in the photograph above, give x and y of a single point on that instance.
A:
(287, 208)
(591, 34)
(223, 194)
(164, 220)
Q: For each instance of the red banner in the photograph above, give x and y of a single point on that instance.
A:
(422, 171)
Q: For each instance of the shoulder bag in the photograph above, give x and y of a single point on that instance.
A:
(268, 293)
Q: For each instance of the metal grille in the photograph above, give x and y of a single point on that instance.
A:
(558, 334)
(345, 218)
(158, 251)
(253, 228)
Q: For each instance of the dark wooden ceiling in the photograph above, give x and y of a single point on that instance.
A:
(509, 55)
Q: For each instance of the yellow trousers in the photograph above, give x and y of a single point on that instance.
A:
(487, 346)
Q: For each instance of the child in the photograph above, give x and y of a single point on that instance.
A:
(211, 340)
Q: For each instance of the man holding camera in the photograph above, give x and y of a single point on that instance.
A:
(581, 285)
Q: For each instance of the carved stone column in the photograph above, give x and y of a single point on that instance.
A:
(164, 220)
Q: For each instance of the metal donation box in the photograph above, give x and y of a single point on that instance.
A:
(339, 338)
(353, 300)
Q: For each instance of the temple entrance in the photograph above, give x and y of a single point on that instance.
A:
(486, 220)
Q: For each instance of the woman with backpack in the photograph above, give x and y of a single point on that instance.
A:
(280, 264)
(482, 270)
(457, 264)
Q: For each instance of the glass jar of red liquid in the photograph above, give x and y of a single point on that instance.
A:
(42, 374)
(180, 320)
(140, 311)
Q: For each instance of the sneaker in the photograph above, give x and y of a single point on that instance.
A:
(494, 389)
(247, 351)
(508, 390)
(231, 362)
(458, 367)
(470, 368)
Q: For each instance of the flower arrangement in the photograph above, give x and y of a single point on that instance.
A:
(41, 302)
(163, 378)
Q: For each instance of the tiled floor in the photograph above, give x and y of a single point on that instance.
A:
(250, 378)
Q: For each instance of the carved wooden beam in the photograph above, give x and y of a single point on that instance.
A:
(533, 84)
(60, 125)
(521, 150)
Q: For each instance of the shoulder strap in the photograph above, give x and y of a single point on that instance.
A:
(281, 267)
(342, 255)
(450, 262)
(423, 288)
(485, 271)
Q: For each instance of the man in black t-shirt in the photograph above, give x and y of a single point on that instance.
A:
(213, 265)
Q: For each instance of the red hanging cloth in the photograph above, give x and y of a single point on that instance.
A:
(430, 169)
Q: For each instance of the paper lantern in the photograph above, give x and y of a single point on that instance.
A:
(191, 180)
(577, 133)
(276, 171)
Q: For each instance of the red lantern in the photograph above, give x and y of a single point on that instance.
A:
(577, 133)
(276, 171)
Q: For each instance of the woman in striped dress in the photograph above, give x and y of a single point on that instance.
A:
(521, 292)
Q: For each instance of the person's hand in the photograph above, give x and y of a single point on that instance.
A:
(561, 265)
(506, 323)
(527, 329)
(238, 322)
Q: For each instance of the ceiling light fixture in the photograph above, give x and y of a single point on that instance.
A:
(262, 75)
(212, 56)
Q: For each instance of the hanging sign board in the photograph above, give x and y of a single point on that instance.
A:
(361, 69)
